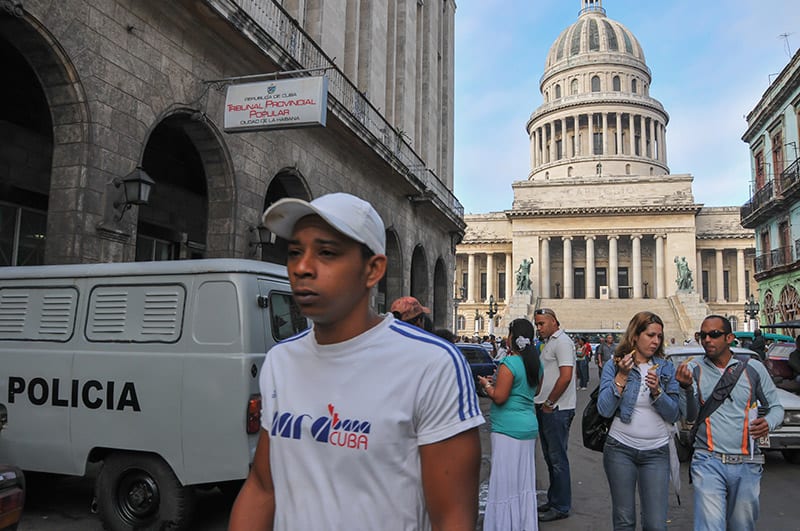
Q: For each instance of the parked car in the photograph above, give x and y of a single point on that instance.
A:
(744, 339)
(12, 488)
(785, 438)
(479, 361)
(777, 364)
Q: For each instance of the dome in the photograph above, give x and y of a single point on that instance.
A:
(594, 33)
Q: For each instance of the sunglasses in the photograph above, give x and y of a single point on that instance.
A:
(714, 334)
(544, 311)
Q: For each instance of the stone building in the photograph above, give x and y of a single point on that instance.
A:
(609, 230)
(773, 134)
(97, 90)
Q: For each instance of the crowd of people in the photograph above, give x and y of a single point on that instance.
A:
(371, 421)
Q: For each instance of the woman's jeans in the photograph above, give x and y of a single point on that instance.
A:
(625, 468)
(583, 372)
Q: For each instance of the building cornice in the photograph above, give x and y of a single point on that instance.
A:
(612, 210)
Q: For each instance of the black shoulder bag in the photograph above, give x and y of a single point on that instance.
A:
(594, 426)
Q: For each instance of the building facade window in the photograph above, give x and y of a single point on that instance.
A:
(573, 87)
(777, 154)
(726, 285)
(761, 174)
(483, 286)
(617, 85)
(461, 322)
(501, 285)
(595, 84)
(22, 235)
(558, 91)
(633, 86)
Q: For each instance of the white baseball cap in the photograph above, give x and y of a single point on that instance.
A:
(348, 214)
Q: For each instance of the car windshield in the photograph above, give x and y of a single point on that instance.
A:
(475, 354)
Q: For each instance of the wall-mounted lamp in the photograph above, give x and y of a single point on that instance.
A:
(261, 236)
(136, 188)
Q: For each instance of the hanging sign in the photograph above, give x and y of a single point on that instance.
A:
(276, 104)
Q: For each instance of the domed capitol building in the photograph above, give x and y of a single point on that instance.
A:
(600, 228)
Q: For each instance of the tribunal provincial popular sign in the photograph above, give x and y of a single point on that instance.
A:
(276, 104)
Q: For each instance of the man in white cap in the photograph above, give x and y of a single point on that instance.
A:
(367, 421)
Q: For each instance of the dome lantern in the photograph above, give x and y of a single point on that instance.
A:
(592, 6)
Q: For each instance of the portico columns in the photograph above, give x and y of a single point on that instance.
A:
(720, 278)
(489, 275)
(605, 133)
(652, 139)
(567, 267)
(471, 277)
(632, 139)
(664, 143)
(636, 246)
(564, 138)
(509, 277)
(576, 143)
(545, 267)
(659, 266)
(590, 280)
(619, 134)
(552, 142)
(699, 276)
(613, 265)
(741, 281)
(533, 149)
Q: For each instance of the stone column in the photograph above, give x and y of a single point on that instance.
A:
(576, 146)
(567, 267)
(613, 265)
(740, 278)
(652, 139)
(533, 149)
(660, 292)
(632, 139)
(720, 278)
(698, 277)
(590, 280)
(470, 277)
(545, 267)
(552, 142)
(619, 134)
(564, 138)
(490, 273)
(664, 143)
(605, 133)
(636, 258)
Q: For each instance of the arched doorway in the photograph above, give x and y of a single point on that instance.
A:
(391, 285)
(419, 276)
(288, 182)
(440, 304)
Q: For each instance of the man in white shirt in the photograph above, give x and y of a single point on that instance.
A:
(367, 421)
(555, 409)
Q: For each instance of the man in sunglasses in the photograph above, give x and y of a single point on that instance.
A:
(726, 466)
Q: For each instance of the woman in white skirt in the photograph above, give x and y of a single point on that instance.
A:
(511, 504)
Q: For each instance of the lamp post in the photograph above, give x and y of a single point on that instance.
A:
(491, 313)
(458, 295)
(751, 309)
(477, 322)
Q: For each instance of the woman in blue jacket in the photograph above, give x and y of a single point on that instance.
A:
(640, 392)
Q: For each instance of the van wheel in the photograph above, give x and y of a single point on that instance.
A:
(140, 492)
(792, 456)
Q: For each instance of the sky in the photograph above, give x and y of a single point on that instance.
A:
(710, 61)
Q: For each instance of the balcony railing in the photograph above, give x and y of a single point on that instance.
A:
(790, 177)
(782, 256)
(286, 32)
(763, 195)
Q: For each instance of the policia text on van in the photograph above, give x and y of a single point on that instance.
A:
(149, 368)
(91, 394)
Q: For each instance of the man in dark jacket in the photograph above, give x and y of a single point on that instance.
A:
(759, 344)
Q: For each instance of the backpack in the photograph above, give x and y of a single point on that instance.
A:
(594, 426)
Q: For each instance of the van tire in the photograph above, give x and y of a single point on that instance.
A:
(141, 492)
(792, 456)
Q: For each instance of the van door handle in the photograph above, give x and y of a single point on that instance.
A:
(263, 301)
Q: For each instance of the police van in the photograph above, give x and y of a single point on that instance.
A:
(150, 368)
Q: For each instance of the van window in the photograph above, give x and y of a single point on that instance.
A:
(38, 314)
(285, 316)
(216, 318)
(136, 313)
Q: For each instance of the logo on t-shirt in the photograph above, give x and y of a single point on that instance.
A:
(330, 428)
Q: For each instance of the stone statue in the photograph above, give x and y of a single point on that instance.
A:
(684, 280)
(524, 275)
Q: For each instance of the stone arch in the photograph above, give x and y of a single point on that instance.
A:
(287, 182)
(391, 285)
(770, 308)
(789, 303)
(440, 297)
(192, 205)
(419, 276)
(61, 192)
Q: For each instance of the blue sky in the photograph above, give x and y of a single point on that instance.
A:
(711, 61)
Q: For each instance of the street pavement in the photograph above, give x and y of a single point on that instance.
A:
(63, 504)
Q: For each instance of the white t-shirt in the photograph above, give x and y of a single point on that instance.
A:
(557, 351)
(647, 429)
(345, 422)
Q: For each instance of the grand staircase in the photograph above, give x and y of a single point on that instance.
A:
(682, 313)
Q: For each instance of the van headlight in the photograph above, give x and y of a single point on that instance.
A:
(791, 418)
